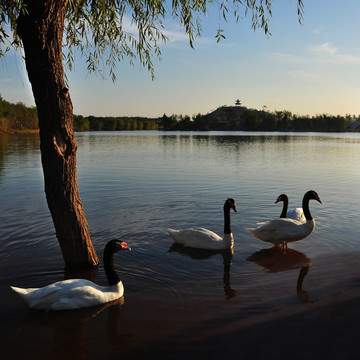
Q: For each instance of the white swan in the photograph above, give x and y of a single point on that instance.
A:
(284, 230)
(201, 238)
(78, 293)
(296, 214)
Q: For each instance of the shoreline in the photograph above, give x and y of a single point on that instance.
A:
(36, 131)
(26, 131)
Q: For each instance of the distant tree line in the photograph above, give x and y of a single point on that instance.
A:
(254, 120)
(93, 123)
(15, 117)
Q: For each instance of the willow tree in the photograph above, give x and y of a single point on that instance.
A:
(49, 32)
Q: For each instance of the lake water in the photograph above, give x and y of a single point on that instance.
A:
(135, 185)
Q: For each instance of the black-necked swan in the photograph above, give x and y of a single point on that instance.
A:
(78, 293)
(296, 214)
(284, 230)
(201, 238)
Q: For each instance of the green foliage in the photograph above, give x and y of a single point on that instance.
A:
(93, 123)
(81, 123)
(17, 116)
(255, 120)
(14, 117)
(99, 30)
(9, 11)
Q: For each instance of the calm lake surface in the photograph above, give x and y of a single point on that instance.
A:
(135, 185)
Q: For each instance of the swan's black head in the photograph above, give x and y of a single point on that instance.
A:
(230, 204)
(312, 195)
(115, 245)
(281, 197)
(110, 249)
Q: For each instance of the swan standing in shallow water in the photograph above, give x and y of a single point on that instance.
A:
(201, 238)
(78, 293)
(296, 214)
(284, 230)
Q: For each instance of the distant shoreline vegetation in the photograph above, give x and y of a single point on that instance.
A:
(19, 118)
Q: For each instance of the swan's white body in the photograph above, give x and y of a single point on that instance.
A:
(296, 214)
(201, 238)
(69, 295)
(78, 293)
(282, 231)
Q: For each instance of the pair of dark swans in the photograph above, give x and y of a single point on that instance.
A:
(80, 293)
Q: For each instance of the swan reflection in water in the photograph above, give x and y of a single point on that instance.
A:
(202, 254)
(275, 260)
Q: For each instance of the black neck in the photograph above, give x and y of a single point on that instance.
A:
(305, 206)
(285, 208)
(227, 228)
(111, 275)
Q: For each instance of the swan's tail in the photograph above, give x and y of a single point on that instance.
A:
(172, 233)
(177, 236)
(251, 231)
(22, 292)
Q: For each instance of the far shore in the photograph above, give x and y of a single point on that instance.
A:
(26, 131)
(36, 131)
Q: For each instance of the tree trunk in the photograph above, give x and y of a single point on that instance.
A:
(41, 30)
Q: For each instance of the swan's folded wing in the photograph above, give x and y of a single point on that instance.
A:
(35, 293)
(80, 297)
(278, 229)
(194, 237)
(57, 287)
(88, 295)
(297, 214)
(43, 298)
(39, 298)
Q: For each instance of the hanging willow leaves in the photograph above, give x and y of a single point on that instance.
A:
(106, 32)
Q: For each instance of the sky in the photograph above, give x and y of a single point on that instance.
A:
(307, 69)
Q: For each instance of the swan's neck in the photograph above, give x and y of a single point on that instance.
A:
(110, 272)
(285, 208)
(227, 227)
(305, 205)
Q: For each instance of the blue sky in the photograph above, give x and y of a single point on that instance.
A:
(308, 69)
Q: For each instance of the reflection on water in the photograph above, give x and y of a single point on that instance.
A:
(302, 294)
(201, 254)
(65, 332)
(275, 259)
